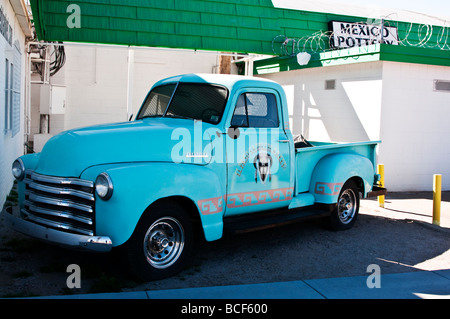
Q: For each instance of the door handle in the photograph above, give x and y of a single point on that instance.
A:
(283, 141)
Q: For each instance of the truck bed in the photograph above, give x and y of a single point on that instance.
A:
(306, 158)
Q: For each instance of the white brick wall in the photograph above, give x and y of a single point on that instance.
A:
(96, 80)
(10, 147)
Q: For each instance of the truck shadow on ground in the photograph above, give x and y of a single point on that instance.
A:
(300, 251)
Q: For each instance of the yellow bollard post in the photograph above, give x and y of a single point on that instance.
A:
(381, 173)
(437, 184)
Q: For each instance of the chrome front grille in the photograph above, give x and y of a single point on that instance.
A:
(61, 203)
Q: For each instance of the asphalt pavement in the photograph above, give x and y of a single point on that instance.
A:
(426, 284)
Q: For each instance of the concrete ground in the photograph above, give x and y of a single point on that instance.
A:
(411, 285)
(416, 206)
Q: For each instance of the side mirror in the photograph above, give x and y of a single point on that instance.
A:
(233, 132)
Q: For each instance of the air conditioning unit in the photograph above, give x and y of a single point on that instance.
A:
(52, 99)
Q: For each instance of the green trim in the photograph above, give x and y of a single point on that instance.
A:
(415, 55)
(37, 18)
(371, 53)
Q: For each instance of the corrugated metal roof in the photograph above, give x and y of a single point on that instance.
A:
(20, 9)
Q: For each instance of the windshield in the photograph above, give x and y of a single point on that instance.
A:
(204, 102)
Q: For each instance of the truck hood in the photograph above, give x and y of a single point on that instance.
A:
(150, 140)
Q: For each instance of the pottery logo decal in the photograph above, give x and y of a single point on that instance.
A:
(266, 162)
(263, 162)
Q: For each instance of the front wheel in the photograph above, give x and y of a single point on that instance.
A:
(162, 242)
(347, 207)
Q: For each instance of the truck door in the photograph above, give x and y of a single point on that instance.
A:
(257, 148)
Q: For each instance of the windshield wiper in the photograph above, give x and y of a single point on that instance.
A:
(179, 117)
(167, 115)
(149, 116)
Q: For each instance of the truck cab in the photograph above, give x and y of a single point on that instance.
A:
(205, 152)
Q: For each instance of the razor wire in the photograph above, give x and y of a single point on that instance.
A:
(285, 46)
(413, 35)
(428, 35)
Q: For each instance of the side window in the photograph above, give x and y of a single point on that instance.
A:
(157, 101)
(256, 110)
(239, 118)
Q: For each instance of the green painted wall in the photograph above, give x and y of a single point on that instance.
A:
(219, 25)
(237, 26)
(371, 53)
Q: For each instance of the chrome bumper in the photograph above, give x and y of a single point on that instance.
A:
(80, 242)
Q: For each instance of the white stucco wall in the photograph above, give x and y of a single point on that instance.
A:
(350, 112)
(390, 101)
(415, 127)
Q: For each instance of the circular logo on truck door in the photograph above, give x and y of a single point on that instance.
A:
(263, 162)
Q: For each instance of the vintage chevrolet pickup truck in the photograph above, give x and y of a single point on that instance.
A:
(205, 153)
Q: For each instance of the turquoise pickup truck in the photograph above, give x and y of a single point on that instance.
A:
(205, 153)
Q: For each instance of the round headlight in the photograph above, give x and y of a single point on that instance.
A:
(104, 186)
(18, 169)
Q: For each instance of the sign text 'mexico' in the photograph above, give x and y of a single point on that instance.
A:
(348, 34)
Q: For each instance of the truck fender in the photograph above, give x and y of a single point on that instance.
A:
(138, 185)
(333, 170)
(30, 161)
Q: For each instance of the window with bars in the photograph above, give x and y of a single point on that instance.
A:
(12, 93)
(8, 95)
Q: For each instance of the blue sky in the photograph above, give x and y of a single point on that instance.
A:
(440, 8)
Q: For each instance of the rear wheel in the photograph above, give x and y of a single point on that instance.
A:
(347, 207)
(162, 242)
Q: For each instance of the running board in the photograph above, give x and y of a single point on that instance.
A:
(258, 221)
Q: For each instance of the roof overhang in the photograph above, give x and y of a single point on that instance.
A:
(251, 26)
(20, 9)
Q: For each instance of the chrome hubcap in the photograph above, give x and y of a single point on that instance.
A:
(164, 242)
(347, 206)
